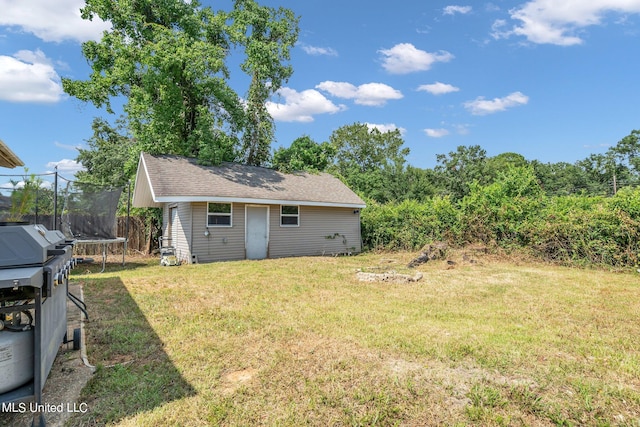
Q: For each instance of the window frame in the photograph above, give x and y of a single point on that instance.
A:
(289, 215)
(220, 214)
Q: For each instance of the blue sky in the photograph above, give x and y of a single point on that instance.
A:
(554, 81)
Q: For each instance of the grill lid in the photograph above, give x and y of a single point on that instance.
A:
(22, 245)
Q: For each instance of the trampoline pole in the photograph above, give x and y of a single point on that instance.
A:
(55, 199)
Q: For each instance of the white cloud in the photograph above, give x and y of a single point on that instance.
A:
(21, 184)
(438, 88)
(301, 106)
(404, 58)
(452, 10)
(387, 127)
(481, 106)
(319, 51)
(371, 94)
(559, 22)
(436, 133)
(28, 76)
(461, 129)
(51, 21)
(66, 166)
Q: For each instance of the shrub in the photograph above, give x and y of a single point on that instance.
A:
(407, 225)
(514, 213)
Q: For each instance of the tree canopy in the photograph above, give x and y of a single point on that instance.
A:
(370, 161)
(169, 59)
(304, 154)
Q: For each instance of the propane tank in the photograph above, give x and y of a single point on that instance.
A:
(16, 359)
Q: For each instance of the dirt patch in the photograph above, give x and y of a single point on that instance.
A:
(233, 380)
(388, 276)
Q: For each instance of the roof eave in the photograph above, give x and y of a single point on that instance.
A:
(189, 199)
(8, 158)
(143, 194)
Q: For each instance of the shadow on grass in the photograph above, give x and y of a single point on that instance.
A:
(134, 374)
(112, 266)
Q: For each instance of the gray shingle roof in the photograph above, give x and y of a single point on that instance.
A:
(162, 179)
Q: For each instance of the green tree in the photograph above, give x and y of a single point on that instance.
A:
(168, 59)
(370, 162)
(628, 150)
(561, 179)
(24, 196)
(626, 158)
(110, 158)
(303, 154)
(268, 34)
(502, 162)
(602, 171)
(461, 168)
(417, 184)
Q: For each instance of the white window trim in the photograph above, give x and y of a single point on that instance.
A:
(230, 214)
(290, 215)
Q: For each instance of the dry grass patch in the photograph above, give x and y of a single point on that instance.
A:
(302, 341)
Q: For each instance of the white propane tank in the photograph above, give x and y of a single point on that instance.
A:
(16, 359)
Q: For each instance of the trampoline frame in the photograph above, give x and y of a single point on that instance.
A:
(104, 243)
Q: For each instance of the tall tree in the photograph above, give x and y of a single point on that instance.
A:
(628, 150)
(460, 168)
(603, 173)
(304, 154)
(108, 160)
(370, 161)
(417, 184)
(626, 155)
(268, 34)
(562, 178)
(502, 162)
(168, 59)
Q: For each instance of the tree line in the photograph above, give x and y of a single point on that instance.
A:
(375, 165)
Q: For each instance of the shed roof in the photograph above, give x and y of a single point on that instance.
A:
(164, 179)
(8, 159)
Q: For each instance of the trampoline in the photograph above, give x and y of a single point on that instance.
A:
(85, 213)
(89, 216)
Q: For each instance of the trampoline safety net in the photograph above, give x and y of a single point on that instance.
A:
(89, 211)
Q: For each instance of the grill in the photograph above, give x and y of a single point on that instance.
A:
(34, 272)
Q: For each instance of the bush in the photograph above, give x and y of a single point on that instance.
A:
(407, 225)
(514, 213)
(585, 230)
(497, 212)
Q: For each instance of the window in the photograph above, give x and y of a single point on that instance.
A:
(289, 216)
(219, 214)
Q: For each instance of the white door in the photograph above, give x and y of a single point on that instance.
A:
(257, 232)
(173, 227)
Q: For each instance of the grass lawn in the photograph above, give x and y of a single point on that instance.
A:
(300, 341)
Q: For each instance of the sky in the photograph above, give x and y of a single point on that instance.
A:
(554, 81)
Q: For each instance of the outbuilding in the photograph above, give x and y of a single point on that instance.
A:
(233, 211)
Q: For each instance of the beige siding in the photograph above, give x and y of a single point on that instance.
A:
(182, 227)
(322, 231)
(223, 243)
